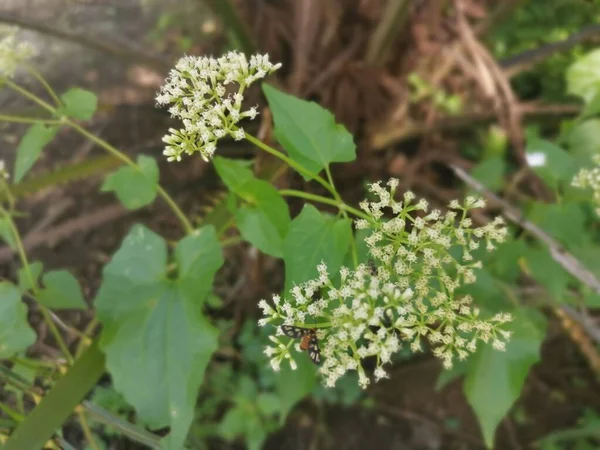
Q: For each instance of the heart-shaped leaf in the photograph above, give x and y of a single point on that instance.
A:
(156, 338)
(308, 132)
(15, 333)
(135, 187)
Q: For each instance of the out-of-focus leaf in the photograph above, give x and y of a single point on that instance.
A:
(490, 173)
(134, 187)
(31, 146)
(61, 291)
(15, 333)
(79, 103)
(583, 77)
(495, 378)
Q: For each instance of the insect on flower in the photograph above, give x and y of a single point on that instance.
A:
(309, 340)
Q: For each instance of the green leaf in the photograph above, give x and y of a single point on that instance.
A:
(265, 221)
(314, 237)
(505, 262)
(58, 404)
(593, 107)
(79, 103)
(135, 187)
(268, 403)
(592, 300)
(547, 272)
(584, 138)
(31, 146)
(15, 333)
(234, 172)
(234, 423)
(556, 164)
(583, 77)
(36, 269)
(61, 291)
(6, 233)
(292, 386)
(490, 173)
(156, 340)
(566, 222)
(447, 376)
(308, 132)
(495, 378)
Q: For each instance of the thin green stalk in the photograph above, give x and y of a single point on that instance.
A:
(344, 213)
(325, 200)
(123, 157)
(87, 432)
(105, 145)
(45, 313)
(32, 70)
(25, 93)
(290, 162)
(16, 416)
(17, 119)
(231, 241)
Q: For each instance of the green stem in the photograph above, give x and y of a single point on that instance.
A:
(32, 282)
(123, 157)
(344, 213)
(44, 83)
(290, 162)
(17, 119)
(25, 93)
(105, 145)
(87, 432)
(325, 200)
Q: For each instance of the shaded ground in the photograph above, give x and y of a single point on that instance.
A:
(407, 412)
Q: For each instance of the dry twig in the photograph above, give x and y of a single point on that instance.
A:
(565, 259)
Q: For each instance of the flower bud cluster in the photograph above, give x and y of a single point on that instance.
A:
(590, 179)
(207, 94)
(421, 258)
(13, 53)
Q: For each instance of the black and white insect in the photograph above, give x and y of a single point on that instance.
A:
(372, 267)
(309, 341)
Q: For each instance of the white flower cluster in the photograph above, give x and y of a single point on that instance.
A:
(411, 296)
(199, 90)
(13, 53)
(590, 179)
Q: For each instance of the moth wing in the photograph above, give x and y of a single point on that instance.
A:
(314, 352)
(293, 332)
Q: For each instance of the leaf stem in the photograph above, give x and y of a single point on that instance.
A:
(85, 427)
(123, 157)
(320, 199)
(32, 120)
(33, 71)
(344, 212)
(290, 162)
(25, 93)
(45, 313)
(106, 146)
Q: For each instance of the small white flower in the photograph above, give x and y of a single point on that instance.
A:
(13, 53)
(536, 159)
(197, 89)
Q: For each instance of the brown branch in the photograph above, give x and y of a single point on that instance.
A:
(391, 23)
(565, 259)
(395, 134)
(117, 50)
(523, 61)
(67, 229)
